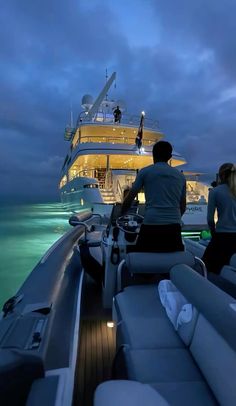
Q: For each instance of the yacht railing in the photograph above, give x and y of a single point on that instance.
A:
(108, 179)
(114, 140)
(107, 118)
(119, 190)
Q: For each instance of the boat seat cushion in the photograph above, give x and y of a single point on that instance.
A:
(216, 359)
(229, 273)
(205, 369)
(194, 393)
(194, 247)
(147, 333)
(138, 301)
(143, 262)
(161, 365)
(226, 280)
(127, 393)
(94, 239)
(142, 321)
(209, 300)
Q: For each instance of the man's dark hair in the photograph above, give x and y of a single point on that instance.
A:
(162, 151)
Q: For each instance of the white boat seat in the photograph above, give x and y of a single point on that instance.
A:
(142, 323)
(229, 273)
(127, 393)
(194, 247)
(94, 239)
(226, 280)
(202, 371)
(151, 263)
(156, 262)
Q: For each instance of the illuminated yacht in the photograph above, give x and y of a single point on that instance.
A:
(104, 156)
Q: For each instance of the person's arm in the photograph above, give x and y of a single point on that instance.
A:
(211, 210)
(183, 200)
(128, 200)
(137, 185)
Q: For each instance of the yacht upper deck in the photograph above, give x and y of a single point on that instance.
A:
(103, 129)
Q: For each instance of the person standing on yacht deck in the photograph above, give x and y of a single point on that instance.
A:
(222, 199)
(117, 114)
(165, 195)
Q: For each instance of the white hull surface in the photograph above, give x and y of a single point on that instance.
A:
(195, 217)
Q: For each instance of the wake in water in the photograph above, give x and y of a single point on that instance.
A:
(27, 231)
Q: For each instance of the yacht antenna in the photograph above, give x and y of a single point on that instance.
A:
(106, 82)
(94, 108)
(71, 116)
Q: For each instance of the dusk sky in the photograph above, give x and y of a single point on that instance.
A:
(175, 59)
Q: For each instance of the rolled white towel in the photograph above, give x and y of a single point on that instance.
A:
(174, 303)
(164, 287)
(185, 315)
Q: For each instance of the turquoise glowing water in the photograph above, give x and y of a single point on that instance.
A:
(26, 232)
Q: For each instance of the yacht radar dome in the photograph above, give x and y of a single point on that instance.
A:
(87, 101)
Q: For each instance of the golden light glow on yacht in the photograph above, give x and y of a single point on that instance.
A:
(105, 133)
(87, 165)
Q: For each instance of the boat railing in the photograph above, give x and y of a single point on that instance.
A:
(119, 190)
(108, 179)
(114, 140)
(108, 119)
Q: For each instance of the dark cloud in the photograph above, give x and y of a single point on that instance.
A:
(54, 52)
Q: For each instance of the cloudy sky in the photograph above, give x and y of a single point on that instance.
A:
(174, 59)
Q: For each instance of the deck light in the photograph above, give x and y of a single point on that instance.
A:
(110, 324)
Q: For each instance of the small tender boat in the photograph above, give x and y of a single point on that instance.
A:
(88, 313)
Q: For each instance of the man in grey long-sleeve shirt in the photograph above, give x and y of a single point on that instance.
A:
(165, 195)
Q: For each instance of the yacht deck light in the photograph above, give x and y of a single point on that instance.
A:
(110, 324)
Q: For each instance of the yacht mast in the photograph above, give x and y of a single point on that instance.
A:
(101, 96)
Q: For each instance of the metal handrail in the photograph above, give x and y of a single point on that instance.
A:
(104, 117)
(112, 139)
(118, 188)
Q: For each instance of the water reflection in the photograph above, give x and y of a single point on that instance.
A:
(26, 232)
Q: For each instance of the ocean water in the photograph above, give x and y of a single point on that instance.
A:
(26, 232)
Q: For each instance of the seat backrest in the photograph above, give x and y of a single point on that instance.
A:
(194, 247)
(127, 393)
(229, 273)
(156, 262)
(233, 261)
(214, 340)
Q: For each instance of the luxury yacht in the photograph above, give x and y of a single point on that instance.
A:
(105, 155)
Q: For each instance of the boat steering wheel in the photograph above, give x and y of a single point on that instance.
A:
(130, 223)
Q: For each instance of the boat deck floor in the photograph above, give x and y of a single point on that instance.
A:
(96, 346)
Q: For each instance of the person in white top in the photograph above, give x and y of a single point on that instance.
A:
(165, 196)
(222, 199)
